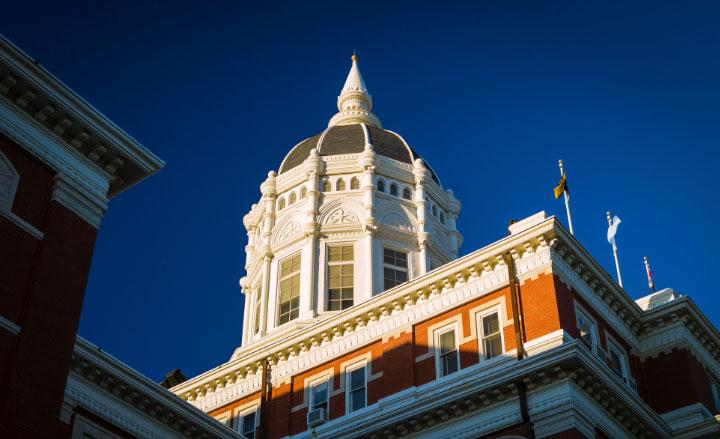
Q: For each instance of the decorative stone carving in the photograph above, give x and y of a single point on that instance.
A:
(291, 228)
(398, 221)
(342, 216)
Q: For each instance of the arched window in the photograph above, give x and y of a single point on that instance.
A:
(9, 179)
(327, 187)
(303, 192)
(393, 189)
(281, 204)
(292, 199)
(442, 217)
(381, 186)
(340, 185)
(434, 210)
(354, 183)
(407, 194)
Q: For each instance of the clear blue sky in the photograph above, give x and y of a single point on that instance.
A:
(490, 93)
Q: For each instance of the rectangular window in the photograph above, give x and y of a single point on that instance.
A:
(289, 289)
(588, 331)
(447, 353)
(340, 277)
(617, 361)
(356, 389)
(395, 266)
(491, 336)
(319, 396)
(247, 424)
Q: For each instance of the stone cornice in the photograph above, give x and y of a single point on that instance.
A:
(65, 116)
(461, 280)
(114, 378)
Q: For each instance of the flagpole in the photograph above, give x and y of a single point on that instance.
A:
(651, 283)
(567, 198)
(614, 247)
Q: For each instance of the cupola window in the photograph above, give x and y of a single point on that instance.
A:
(292, 199)
(395, 268)
(340, 185)
(281, 204)
(354, 183)
(442, 217)
(303, 192)
(340, 277)
(289, 289)
(393, 189)
(327, 187)
(381, 186)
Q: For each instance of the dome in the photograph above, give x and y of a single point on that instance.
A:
(351, 139)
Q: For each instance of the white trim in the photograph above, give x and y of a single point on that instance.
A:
(687, 416)
(435, 347)
(85, 204)
(26, 226)
(479, 315)
(594, 334)
(347, 372)
(624, 362)
(9, 325)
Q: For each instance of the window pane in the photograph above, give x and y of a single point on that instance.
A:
(248, 425)
(447, 342)
(357, 399)
(449, 363)
(320, 394)
(492, 346)
(491, 324)
(357, 378)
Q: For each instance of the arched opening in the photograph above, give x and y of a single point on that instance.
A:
(381, 186)
(281, 204)
(327, 187)
(292, 199)
(354, 183)
(393, 189)
(407, 194)
(303, 192)
(340, 185)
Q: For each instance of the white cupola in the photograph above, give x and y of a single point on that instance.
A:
(352, 212)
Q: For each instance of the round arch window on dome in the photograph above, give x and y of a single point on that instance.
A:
(381, 186)
(303, 192)
(354, 183)
(292, 199)
(393, 189)
(340, 185)
(327, 186)
(442, 217)
(281, 204)
(434, 211)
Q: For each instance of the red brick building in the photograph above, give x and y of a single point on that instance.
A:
(60, 163)
(360, 320)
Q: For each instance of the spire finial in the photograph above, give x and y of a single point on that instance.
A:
(354, 103)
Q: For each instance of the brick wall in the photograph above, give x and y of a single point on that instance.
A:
(42, 283)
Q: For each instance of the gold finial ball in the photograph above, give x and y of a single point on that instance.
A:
(353, 57)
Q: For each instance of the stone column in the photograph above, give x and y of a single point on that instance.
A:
(308, 290)
(367, 160)
(268, 190)
(247, 307)
(420, 173)
(453, 212)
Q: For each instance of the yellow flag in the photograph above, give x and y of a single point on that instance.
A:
(561, 187)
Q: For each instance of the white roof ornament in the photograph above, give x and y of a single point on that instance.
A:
(354, 103)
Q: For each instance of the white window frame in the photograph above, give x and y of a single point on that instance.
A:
(612, 345)
(594, 336)
(395, 267)
(480, 335)
(278, 289)
(326, 305)
(311, 394)
(240, 418)
(348, 389)
(436, 348)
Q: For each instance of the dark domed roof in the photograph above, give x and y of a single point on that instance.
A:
(350, 139)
